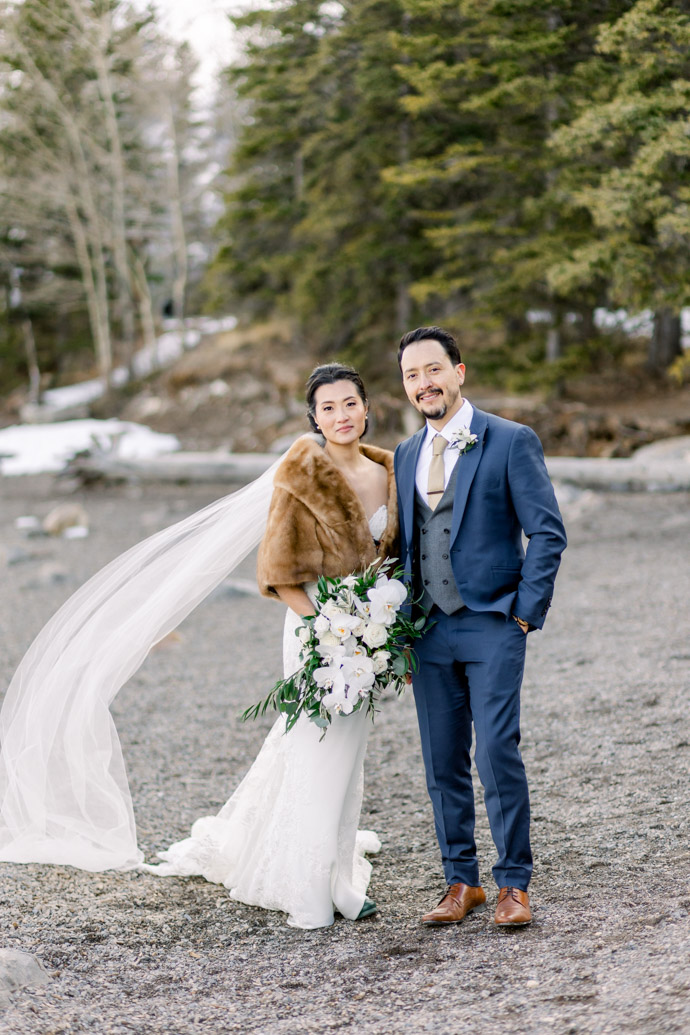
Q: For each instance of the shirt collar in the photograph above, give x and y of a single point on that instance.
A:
(461, 419)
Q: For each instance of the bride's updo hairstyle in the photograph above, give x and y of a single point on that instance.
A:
(329, 374)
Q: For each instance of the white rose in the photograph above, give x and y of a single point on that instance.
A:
(375, 634)
(303, 633)
(322, 624)
(331, 609)
(329, 639)
(380, 661)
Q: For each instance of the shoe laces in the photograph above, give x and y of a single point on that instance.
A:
(512, 893)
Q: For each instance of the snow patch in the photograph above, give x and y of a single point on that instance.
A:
(37, 448)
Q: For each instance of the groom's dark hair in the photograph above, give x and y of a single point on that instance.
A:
(444, 338)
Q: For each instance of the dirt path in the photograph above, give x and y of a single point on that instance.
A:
(607, 748)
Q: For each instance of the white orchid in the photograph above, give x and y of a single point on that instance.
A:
(463, 440)
(375, 634)
(359, 674)
(331, 650)
(330, 677)
(342, 625)
(386, 598)
(347, 680)
(338, 702)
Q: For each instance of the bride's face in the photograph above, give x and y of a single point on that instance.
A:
(340, 412)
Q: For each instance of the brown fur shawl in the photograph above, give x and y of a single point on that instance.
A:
(317, 524)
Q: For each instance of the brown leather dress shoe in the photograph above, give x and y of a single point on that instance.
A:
(458, 901)
(513, 908)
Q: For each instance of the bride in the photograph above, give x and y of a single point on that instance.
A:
(287, 839)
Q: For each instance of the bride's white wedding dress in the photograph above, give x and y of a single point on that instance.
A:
(287, 839)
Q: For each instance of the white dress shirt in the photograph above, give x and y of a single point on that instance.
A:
(461, 419)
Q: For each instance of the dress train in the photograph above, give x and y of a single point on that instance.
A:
(287, 839)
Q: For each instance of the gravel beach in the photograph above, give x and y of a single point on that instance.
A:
(606, 743)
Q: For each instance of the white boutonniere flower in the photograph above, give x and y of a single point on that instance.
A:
(463, 440)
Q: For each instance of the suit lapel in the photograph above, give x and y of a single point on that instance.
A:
(469, 462)
(407, 478)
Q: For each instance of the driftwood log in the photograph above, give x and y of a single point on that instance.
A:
(222, 467)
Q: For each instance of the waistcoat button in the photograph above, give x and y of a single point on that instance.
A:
(445, 556)
(445, 582)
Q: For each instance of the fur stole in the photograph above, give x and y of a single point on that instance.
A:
(317, 524)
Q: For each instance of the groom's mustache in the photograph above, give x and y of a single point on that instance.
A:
(428, 391)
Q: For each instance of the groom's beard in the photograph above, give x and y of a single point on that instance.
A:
(437, 408)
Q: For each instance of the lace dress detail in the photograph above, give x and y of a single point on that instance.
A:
(287, 839)
(378, 522)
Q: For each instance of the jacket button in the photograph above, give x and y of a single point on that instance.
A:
(426, 582)
(445, 582)
(445, 556)
(423, 556)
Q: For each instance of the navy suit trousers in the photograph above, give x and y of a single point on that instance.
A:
(470, 672)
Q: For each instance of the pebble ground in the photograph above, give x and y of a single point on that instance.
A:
(606, 742)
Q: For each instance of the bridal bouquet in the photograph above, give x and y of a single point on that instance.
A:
(354, 647)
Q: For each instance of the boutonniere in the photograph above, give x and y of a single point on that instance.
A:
(463, 440)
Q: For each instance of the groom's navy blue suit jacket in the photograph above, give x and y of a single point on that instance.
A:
(502, 490)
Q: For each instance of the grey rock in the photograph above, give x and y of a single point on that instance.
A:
(20, 970)
(63, 517)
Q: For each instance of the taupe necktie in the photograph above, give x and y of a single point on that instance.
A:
(437, 472)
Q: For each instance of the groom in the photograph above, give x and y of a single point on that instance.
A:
(469, 485)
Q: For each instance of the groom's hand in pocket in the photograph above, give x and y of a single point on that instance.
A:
(408, 674)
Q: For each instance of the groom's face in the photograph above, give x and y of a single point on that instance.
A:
(431, 381)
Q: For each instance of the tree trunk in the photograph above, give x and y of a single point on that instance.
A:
(89, 245)
(179, 236)
(665, 344)
(94, 288)
(145, 302)
(31, 361)
(117, 182)
(554, 344)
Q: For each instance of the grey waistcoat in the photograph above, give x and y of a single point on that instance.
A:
(434, 577)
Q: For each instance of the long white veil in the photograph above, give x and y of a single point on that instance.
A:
(64, 796)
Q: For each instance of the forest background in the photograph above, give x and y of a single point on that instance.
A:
(516, 170)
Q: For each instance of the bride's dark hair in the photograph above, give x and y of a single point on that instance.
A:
(329, 374)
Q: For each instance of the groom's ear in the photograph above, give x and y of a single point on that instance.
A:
(460, 368)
